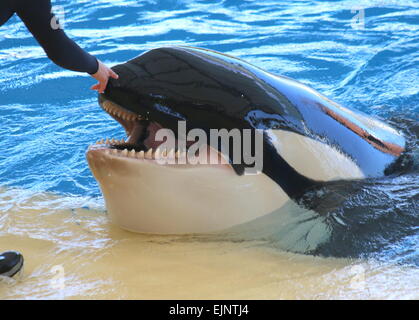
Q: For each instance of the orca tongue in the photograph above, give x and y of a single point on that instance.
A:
(150, 140)
(137, 132)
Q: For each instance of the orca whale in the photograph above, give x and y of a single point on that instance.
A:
(307, 140)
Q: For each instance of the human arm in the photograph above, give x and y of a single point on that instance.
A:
(63, 51)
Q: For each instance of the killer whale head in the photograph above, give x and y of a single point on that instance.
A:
(307, 140)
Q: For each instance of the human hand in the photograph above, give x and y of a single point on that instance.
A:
(102, 75)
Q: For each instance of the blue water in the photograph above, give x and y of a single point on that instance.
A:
(49, 116)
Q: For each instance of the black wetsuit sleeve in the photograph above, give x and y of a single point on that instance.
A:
(37, 16)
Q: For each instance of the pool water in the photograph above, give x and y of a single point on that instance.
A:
(51, 208)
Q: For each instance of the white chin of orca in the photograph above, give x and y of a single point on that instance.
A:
(144, 196)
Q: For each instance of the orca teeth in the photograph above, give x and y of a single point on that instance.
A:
(111, 141)
(149, 154)
(171, 154)
(123, 150)
(157, 154)
(117, 111)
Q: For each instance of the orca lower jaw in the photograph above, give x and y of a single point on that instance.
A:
(141, 143)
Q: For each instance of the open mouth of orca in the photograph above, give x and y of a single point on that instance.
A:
(141, 142)
(141, 134)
